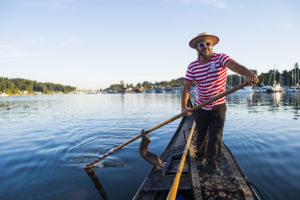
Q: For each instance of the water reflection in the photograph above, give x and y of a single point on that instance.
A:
(257, 102)
(270, 98)
(26, 106)
(90, 171)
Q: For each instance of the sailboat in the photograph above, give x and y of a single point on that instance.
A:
(276, 87)
(295, 87)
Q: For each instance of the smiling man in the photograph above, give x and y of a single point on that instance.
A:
(209, 72)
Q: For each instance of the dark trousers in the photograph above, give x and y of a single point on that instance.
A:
(210, 124)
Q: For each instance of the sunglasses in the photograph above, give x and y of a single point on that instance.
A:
(201, 44)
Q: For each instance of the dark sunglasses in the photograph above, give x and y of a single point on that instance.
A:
(201, 44)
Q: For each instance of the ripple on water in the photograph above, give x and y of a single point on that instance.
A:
(90, 149)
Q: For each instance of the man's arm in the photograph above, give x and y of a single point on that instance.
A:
(251, 78)
(185, 97)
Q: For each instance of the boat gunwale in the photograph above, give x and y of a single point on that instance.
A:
(254, 194)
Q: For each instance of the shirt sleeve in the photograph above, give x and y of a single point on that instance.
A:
(224, 59)
(189, 76)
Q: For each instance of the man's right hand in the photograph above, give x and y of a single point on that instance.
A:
(185, 97)
(185, 111)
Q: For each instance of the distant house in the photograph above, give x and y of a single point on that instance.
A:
(25, 92)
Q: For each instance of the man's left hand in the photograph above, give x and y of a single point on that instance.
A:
(252, 79)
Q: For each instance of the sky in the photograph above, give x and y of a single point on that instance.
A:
(92, 44)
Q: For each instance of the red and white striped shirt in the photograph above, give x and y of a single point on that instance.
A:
(210, 78)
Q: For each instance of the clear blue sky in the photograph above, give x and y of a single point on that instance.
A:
(94, 43)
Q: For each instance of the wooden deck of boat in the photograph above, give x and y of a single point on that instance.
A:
(194, 183)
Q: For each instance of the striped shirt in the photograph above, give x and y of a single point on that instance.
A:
(210, 78)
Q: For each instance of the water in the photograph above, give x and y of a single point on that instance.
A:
(47, 139)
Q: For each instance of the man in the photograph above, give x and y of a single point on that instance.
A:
(209, 72)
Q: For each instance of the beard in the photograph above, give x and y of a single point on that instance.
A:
(205, 53)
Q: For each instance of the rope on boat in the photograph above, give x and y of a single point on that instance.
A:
(173, 191)
(168, 121)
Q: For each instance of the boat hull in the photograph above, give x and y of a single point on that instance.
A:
(195, 183)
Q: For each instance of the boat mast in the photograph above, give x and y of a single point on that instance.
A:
(292, 78)
(295, 75)
(274, 82)
(269, 82)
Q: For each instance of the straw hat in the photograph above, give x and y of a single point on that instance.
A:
(203, 36)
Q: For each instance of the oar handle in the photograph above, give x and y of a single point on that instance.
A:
(169, 120)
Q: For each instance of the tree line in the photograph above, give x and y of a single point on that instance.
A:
(19, 86)
(286, 78)
(146, 84)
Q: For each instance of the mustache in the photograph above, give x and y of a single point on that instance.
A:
(202, 52)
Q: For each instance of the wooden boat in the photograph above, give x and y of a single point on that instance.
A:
(195, 183)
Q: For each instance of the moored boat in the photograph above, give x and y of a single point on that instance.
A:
(3, 95)
(247, 89)
(275, 88)
(195, 183)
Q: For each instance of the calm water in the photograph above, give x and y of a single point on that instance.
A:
(47, 139)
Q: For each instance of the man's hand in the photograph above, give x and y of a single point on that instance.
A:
(185, 97)
(252, 79)
(185, 111)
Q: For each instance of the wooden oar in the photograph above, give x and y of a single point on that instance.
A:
(168, 121)
(96, 181)
(174, 188)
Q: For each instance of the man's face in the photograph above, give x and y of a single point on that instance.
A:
(204, 48)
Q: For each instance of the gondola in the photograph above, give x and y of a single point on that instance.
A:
(195, 183)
